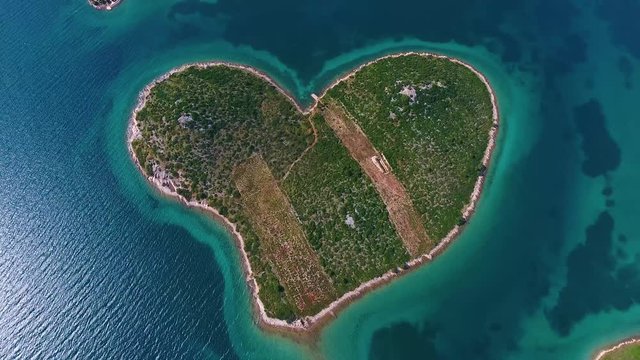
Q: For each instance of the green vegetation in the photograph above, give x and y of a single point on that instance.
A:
(314, 224)
(345, 221)
(431, 119)
(629, 352)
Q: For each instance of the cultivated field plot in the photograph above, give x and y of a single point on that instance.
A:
(401, 211)
(283, 242)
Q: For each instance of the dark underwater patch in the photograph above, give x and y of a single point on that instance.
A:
(320, 31)
(192, 7)
(626, 68)
(566, 54)
(601, 151)
(574, 49)
(593, 284)
(624, 27)
(403, 341)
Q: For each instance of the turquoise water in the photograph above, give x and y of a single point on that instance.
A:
(95, 264)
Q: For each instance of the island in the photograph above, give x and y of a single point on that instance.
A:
(104, 4)
(325, 203)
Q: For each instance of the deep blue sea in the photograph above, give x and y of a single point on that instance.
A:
(96, 265)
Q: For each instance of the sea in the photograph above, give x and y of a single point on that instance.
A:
(94, 264)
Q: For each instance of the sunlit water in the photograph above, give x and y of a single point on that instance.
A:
(95, 264)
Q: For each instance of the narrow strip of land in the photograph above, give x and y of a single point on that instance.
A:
(283, 242)
(402, 214)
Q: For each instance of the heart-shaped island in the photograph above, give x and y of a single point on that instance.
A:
(378, 176)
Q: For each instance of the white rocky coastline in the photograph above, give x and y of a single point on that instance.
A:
(630, 341)
(112, 4)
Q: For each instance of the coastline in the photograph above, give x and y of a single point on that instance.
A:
(626, 342)
(105, 7)
(302, 328)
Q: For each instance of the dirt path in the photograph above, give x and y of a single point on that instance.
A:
(315, 141)
(401, 211)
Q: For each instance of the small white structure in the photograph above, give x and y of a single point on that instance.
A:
(381, 163)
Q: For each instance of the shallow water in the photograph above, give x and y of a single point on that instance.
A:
(94, 264)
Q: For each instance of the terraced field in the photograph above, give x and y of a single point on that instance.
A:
(284, 244)
(325, 201)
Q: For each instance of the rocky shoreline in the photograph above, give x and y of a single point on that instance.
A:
(302, 327)
(626, 342)
(104, 4)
